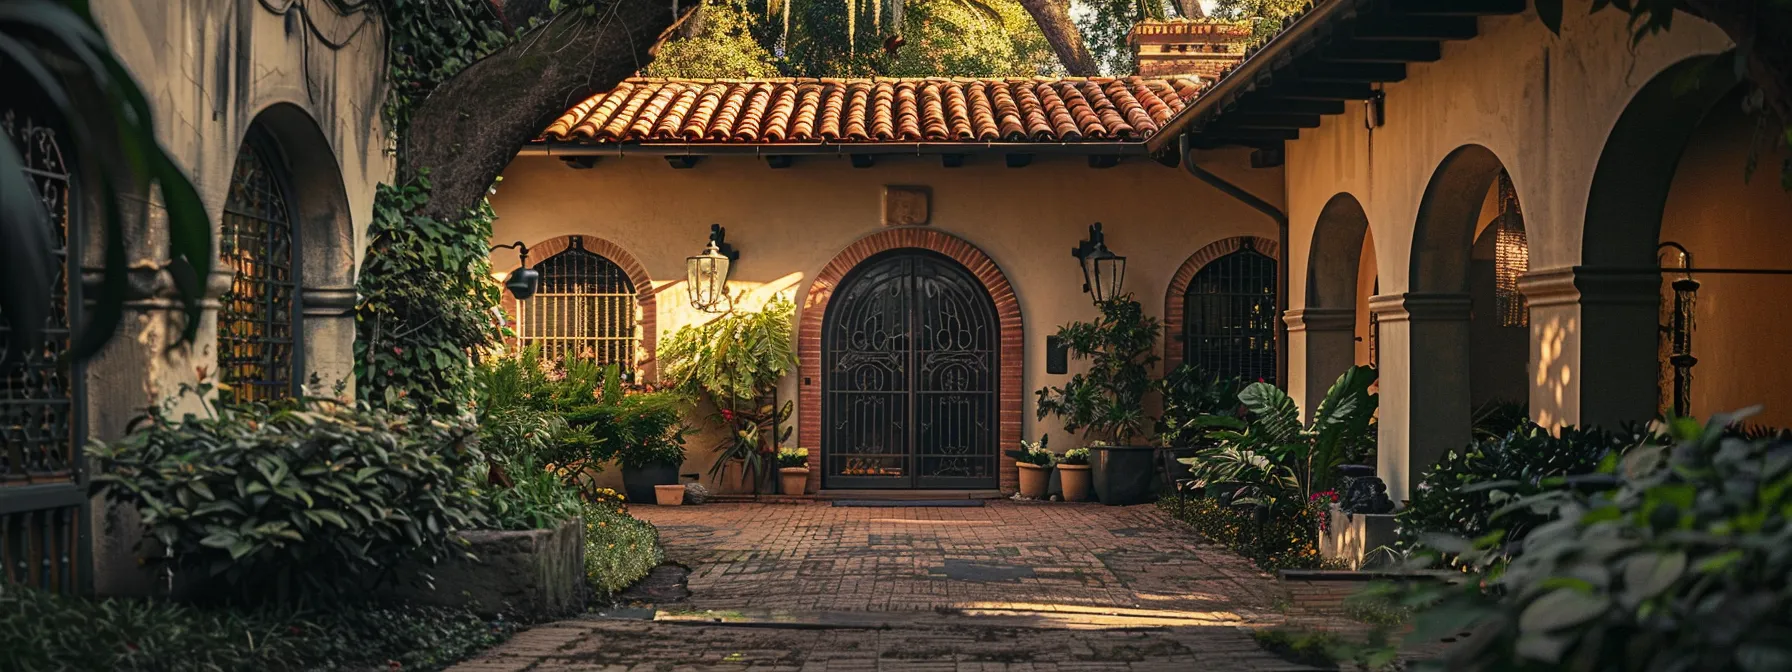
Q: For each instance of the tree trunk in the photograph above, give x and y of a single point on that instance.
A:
(470, 127)
(1764, 32)
(1053, 17)
(1190, 9)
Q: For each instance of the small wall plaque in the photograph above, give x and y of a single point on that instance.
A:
(907, 206)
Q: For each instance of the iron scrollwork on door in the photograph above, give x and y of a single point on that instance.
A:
(909, 383)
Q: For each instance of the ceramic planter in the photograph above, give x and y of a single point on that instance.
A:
(1033, 480)
(1074, 478)
(638, 484)
(669, 495)
(1122, 475)
(794, 480)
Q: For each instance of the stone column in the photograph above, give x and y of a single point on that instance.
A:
(329, 330)
(1424, 384)
(1593, 346)
(1321, 346)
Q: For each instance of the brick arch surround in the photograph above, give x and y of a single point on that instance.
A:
(1010, 357)
(1174, 296)
(648, 321)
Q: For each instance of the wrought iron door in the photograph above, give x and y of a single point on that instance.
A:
(1229, 317)
(909, 377)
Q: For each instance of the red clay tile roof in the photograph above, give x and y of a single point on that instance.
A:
(1095, 109)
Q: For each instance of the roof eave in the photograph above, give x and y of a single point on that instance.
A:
(1082, 148)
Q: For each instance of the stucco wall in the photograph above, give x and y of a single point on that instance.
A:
(788, 223)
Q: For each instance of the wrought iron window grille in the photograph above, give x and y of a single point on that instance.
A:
(259, 324)
(585, 307)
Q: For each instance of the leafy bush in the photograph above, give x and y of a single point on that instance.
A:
(576, 415)
(1108, 402)
(736, 360)
(1459, 496)
(1190, 394)
(538, 498)
(1280, 538)
(619, 549)
(791, 458)
(41, 631)
(1684, 565)
(1276, 461)
(304, 501)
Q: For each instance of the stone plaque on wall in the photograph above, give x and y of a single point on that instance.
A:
(906, 206)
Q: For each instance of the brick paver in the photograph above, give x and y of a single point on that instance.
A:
(1010, 586)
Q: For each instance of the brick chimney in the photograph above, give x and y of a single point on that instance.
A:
(1187, 46)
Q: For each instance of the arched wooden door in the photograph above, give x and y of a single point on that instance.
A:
(909, 375)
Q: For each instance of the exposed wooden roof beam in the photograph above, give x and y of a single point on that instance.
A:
(1250, 135)
(1254, 119)
(1352, 73)
(1384, 52)
(1458, 7)
(1422, 28)
(1269, 104)
(1323, 91)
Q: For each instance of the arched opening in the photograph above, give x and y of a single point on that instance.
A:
(260, 327)
(1326, 335)
(585, 308)
(1229, 314)
(910, 376)
(1365, 326)
(1499, 321)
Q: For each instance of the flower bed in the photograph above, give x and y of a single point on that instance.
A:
(1287, 540)
(620, 549)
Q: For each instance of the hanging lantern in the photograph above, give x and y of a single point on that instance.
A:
(706, 274)
(1103, 271)
(1512, 258)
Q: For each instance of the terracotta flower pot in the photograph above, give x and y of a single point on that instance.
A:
(1074, 478)
(669, 495)
(1033, 479)
(794, 480)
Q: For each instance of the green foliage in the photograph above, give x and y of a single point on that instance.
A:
(619, 549)
(1190, 395)
(1275, 460)
(1460, 495)
(1036, 453)
(427, 300)
(42, 631)
(576, 415)
(1496, 419)
(1075, 456)
(1265, 16)
(1105, 25)
(539, 498)
(304, 502)
(1109, 400)
(1682, 565)
(721, 47)
(736, 360)
(791, 458)
(1280, 538)
(1325, 649)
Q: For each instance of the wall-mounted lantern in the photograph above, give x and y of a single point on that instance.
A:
(1678, 331)
(523, 281)
(706, 273)
(1103, 271)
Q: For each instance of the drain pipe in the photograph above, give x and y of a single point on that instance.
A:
(1281, 218)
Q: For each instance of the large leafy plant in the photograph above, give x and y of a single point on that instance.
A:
(1682, 565)
(736, 361)
(1191, 394)
(303, 502)
(1273, 457)
(1108, 402)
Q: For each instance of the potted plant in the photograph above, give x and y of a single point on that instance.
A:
(1035, 463)
(644, 432)
(736, 361)
(793, 470)
(1073, 474)
(1108, 402)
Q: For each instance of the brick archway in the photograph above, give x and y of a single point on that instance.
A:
(648, 322)
(1010, 357)
(1174, 296)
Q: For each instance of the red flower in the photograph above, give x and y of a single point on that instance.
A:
(397, 350)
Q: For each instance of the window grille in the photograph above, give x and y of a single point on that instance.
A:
(257, 320)
(1229, 314)
(43, 499)
(585, 308)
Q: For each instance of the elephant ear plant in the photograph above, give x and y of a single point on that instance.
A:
(1108, 402)
(736, 360)
(1272, 456)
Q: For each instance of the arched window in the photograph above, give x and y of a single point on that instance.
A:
(1229, 314)
(43, 525)
(585, 308)
(258, 320)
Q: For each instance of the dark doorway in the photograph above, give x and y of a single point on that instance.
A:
(909, 376)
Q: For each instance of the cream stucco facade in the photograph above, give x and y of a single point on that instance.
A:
(789, 223)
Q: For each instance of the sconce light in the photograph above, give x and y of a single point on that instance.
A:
(706, 273)
(523, 281)
(1103, 271)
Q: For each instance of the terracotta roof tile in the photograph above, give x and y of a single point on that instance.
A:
(1076, 109)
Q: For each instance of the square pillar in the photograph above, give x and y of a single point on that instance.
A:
(1321, 347)
(1594, 334)
(329, 340)
(1424, 384)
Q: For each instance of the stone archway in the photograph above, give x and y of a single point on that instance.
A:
(647, 322)
(1322, 334)
(1011, 351)
(1176, 295)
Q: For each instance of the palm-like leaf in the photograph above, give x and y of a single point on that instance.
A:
(1273, 414)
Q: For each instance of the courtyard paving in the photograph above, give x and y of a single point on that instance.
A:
(1009, 586)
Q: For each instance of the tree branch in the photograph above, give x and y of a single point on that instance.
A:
(1053, 17)
(471, 126)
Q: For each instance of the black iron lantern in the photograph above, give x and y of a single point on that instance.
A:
(706, 273)
(1103, 271)
(523, 281)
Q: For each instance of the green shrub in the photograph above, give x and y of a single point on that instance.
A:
(1683, 565)
(41, 631)
(310, 500)
(1459, 496)
(1108, 402)
(1276, 461)
(619, 549)
(537, 499)
(1278, 538)
(1191, 393)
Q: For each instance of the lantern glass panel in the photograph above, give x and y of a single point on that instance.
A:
(1110, 274)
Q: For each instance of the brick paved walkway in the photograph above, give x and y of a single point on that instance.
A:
(1010, 586)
